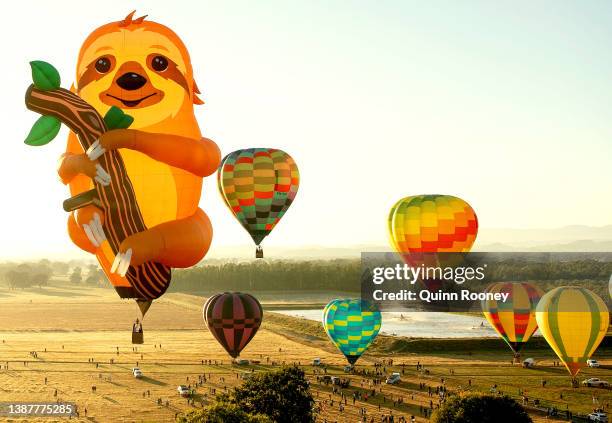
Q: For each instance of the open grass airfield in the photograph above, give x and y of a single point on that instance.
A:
(76, 331)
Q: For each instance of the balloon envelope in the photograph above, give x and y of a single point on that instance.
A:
(573, 321)
(233, 318)
(258, 185)
(514, 320)
(352, 325)
(432, 224)
(421, 226)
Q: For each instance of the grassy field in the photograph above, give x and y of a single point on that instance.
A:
(77, 331)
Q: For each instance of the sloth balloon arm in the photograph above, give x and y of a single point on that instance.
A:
(200, 157)
(177, 243)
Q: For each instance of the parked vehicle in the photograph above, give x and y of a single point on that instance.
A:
(348, 368)
(343, 383)
(593, 363)
(137, 372)
(596, 382)
(316, 362)
(183, 391)
(599, 417)
(529, 363)
(393, 379)
(241, 361)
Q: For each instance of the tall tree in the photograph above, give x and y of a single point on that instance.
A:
(283, 395)
(76, 276)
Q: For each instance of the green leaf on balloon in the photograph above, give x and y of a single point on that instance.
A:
(45, 76)
(115, 118)
(43, 131)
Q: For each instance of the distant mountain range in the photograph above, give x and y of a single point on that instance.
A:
(535, 237)
(575, 238)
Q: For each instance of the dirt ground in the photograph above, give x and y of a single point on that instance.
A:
(58, 343)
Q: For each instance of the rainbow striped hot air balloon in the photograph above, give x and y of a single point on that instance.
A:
(432, 224)
(258, 185)
(352, 325)
(233, 318)
(421, 226)
(514, 320)
(573, 321)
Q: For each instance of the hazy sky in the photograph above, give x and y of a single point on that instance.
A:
(505, 104)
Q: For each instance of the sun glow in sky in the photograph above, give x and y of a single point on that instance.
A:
(505, 104)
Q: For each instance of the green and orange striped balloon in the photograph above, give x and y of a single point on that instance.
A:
(258, 185)
(573, 321)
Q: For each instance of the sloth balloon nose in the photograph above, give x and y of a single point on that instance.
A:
(131, 81)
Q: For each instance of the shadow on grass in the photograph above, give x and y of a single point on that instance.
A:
(153, 381)
(109, 399)
(59, 292)
(6, 293)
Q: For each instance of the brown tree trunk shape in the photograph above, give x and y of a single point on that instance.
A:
(122, 216)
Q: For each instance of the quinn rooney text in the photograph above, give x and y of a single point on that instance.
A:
(429, 296)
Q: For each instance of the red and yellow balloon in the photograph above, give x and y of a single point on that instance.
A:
(421, 226)
(432, 224)
(514, 319)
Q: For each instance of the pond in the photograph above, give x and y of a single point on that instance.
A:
(420, 324)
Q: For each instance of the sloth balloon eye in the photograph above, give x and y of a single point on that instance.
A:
(103, 64)
(159, 63)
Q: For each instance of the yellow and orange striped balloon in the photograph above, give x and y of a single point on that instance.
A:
(432, 224)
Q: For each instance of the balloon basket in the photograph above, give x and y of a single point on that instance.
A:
(259, 252)
(137, 338)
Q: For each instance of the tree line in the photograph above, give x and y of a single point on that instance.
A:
(346, 275)
(321, 275)
(40, 273)
(302, 275)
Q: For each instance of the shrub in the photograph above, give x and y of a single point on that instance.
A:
(481, 409)
(222, 412)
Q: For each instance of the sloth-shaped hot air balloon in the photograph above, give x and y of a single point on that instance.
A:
(233, 318)
(135, 156)
(514, 319)
(258, 185)
(352, 325)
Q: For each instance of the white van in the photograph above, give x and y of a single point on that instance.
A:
(393, 379)
(529, 363)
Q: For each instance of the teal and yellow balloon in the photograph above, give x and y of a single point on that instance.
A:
(352, 325)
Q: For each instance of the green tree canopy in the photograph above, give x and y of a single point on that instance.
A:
(481, 409)
(222, 412)
(76, 276)
(282, 395)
